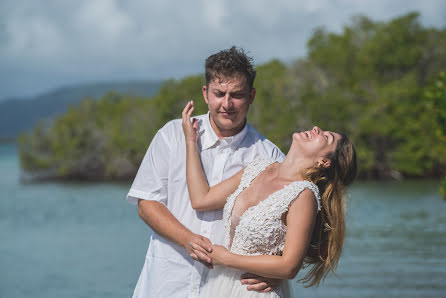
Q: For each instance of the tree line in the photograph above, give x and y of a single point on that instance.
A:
(381, 83)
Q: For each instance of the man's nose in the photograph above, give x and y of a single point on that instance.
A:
(227, 101)
(316, 130)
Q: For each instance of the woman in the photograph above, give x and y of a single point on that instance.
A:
(277, 216)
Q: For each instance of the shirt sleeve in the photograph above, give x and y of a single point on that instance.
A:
(151, 180)
(277, 155)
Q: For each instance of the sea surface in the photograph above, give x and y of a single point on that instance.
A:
(84, 240)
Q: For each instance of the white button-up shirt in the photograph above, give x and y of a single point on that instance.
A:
(168, 270)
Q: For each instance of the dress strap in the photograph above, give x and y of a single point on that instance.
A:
(294, 190)
(253, 169)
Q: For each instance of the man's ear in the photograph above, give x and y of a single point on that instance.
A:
(323, 162)
(204, 89)
(253, 95)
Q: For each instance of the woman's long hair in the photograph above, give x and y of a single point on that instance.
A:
(328, 233)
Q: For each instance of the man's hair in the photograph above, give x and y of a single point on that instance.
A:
(229, 63)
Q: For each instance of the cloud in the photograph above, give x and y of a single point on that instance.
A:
(47, 43)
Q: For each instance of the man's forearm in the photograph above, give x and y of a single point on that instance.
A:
(163, 222)
(159, 218)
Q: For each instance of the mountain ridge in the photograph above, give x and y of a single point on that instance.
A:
(20, 114)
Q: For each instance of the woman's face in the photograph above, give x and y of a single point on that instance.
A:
(316, 144)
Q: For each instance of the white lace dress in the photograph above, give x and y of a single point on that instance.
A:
(258, 231)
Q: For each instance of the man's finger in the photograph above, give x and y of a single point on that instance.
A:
(210, 266)
(257, 287)
(207, 244)
(199, 247)
(259, 283)
(250, 281)
(248, 275)
(204, 243)
(203, 257)
(196, 258)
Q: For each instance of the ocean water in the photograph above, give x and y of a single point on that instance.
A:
(85, 240)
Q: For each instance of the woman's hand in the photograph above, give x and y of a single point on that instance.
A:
(190, 129)
(219, 255)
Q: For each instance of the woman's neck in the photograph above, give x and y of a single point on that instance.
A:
(292, 167)
(289, 170)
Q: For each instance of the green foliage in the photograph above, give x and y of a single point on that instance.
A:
(106, 138)
(173, 96)
(55, 102)
(271, 112)
(381, 83)
(102, 139)
(369, 82)
(443, 188)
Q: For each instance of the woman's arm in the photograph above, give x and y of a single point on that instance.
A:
(201, 195)
(300, 223)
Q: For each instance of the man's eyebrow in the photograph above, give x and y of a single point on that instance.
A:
(241, 90)
(333, 137)
(238, 92)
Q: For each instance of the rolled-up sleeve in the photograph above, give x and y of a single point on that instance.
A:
(277, 154)
(151, 180)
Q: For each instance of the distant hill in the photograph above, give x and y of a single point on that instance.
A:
(18, 115)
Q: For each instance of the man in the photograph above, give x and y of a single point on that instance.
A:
(176, 261)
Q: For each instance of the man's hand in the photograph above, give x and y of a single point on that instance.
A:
(258, 283)
(199, 248)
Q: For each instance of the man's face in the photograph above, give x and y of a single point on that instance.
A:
(228, 99)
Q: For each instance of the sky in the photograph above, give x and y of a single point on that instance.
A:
(52, 43)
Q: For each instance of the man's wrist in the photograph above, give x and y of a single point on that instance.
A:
(185, 239)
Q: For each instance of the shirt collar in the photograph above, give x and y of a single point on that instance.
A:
(209, 138)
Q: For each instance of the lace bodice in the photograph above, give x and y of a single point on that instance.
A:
(260, 230)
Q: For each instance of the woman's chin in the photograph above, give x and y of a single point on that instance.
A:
(296, 137)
